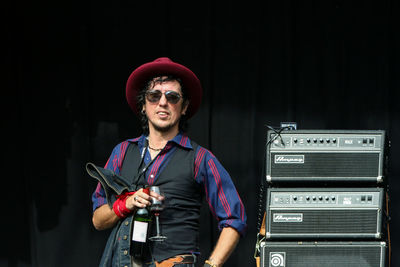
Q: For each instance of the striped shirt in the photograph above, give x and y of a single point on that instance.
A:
(220, 192)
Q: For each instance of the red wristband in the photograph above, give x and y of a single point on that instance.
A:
(119, 205)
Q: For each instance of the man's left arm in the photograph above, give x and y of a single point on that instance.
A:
(225, 204)
(226, 244)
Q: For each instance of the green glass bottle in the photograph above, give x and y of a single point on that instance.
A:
(141, 226)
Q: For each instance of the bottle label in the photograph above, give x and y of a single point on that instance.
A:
(140, 231)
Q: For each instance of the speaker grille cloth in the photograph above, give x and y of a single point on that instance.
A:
(345, 256)
(328, 165)
(328, 221)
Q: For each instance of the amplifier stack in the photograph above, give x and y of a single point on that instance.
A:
(326, 199)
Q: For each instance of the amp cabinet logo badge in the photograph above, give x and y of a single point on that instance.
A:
(277, 259)
(289, 159)
(287, 217)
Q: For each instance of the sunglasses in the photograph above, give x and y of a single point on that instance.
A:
(154, 96)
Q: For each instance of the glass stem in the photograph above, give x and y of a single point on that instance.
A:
(157, 224)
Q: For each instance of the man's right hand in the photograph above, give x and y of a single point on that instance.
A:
(138, 200)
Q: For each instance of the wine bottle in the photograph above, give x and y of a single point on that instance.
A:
(141, 223)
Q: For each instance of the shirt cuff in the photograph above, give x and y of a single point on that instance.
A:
(237, 224)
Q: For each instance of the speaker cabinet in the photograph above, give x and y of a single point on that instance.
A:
(323, 254)
(330, 213)
(325, 156)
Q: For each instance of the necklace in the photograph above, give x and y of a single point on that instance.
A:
(155, 149)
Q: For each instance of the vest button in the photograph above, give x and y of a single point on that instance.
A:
(125, 237)
(125, 252)
(126, 223)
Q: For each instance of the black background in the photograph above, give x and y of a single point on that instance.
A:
(323, 64)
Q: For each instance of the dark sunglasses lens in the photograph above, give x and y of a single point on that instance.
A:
(153, 96)
(172, 97)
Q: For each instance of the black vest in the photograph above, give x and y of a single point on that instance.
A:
(183, 197)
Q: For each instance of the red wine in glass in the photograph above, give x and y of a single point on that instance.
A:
(156, 207)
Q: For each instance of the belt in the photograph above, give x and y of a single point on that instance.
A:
(179, 259)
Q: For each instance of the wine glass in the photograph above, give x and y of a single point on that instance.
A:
(156, 207)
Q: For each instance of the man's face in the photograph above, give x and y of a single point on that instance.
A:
(164, 116)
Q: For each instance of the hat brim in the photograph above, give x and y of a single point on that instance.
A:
(142, 74)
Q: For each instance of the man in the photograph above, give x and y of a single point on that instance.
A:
(165, 94)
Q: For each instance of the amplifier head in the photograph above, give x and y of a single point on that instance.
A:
(323, 254)
(328, 213)
(325, 156)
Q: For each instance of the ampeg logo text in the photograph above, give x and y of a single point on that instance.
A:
(277, 259)
(289, 159)
(288, 217)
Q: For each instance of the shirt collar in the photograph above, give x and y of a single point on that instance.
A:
(181, 139)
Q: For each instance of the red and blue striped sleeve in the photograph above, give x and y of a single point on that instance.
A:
(220, 192)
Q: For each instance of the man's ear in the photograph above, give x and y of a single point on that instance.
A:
(185, 106)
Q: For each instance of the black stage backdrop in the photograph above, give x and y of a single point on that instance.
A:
(323, 64)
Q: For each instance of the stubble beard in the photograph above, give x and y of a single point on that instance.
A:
(164, 128)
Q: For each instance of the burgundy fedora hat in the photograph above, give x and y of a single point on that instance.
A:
(164, 66)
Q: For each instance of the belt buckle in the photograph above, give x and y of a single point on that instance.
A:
(188, 258)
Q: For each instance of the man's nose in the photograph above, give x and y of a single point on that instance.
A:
(163, 100)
